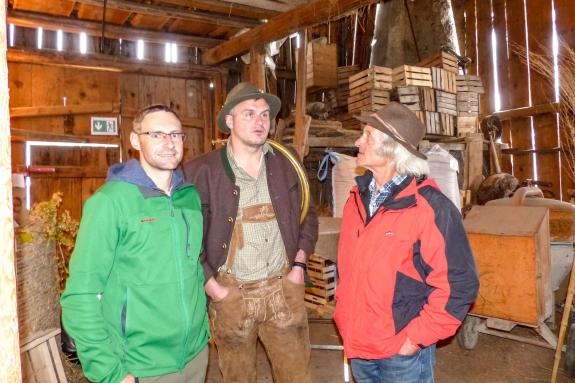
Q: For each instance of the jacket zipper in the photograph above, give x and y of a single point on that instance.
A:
(180, 282)
(187, 234)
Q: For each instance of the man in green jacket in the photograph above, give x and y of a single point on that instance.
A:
(134, 302)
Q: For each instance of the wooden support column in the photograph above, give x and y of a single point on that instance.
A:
(473, 163)
(258, 66)
(301, 128)
(219, 93)
(9, 338)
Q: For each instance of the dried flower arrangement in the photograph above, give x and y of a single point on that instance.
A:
(61, 228)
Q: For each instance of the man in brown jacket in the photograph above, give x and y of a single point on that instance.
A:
(255, 248)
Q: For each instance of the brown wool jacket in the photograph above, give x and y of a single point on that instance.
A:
(215, 180)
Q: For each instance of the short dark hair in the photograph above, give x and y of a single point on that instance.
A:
(137, 123)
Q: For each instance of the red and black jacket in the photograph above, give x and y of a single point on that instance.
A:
(407, 271)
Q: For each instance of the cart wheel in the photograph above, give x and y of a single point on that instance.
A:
(467, 336)
(570, 352)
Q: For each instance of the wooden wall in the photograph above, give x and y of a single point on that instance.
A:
(37, 97)
(533, 137)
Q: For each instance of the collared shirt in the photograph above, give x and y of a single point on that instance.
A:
(259, 248)
(378, 197)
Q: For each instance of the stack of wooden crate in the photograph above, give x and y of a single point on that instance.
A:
(343, 75)
(321, 273)
(369, 89)
(411, 75)
(468, 90)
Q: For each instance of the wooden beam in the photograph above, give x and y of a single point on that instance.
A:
(264, 4)
(23, 135)
(60, 110)
(10, 369)
(318, 11)
(177, 13)
(109, 63)
(227, 7)
(302, 121)
(527, 111)
(35, 20)
(258, 66)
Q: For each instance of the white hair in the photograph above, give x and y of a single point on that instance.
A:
(405, 162)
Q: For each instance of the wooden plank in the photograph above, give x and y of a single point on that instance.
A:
(540, 26)
(485, 58)
(470, 46)
(34, 20)
(302, 121)
(520, 128)
(473, 163)
(43, 111)
(10, 370)
(55, 7)
(280, 26)
(163, 11)
(109, 63)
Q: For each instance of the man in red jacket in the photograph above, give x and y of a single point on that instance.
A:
(407, 274)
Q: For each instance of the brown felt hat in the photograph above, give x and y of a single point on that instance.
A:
(400, 123)
(242, 92)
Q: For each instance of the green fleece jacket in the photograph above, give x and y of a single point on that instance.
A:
(134, 301)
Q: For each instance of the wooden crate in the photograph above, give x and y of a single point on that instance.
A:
(416, 98)
(467, 125)
(40, 358)
(446, 102)
(469, 83)
(343, 75)
(443, 80)
(441, 60)
(437, 124)
(374, 78)
(467, 104)
(321, 272)
(321, 65)
(511, 249)
(370, 100)
(411, 75)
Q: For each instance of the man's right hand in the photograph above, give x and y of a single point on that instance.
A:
(215, 291)
(129, 379)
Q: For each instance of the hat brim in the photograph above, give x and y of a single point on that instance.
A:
(273, 101)
(379, 126)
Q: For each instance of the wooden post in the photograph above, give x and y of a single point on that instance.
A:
(258, 66)
(9, 339)
(473, 163)
(301, 128)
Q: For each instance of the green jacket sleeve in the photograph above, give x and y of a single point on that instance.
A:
(90, 266)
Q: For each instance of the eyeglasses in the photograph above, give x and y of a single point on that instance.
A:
(161, 136)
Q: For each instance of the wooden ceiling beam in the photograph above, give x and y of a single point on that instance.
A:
(110, 64)
(178, 13)
(264, 4)
(34, 20)
(281, 26)
(227, 7)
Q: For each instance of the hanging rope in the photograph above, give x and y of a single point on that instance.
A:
(412, 30)
(103, 26)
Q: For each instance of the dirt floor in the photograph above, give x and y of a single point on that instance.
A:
(494, 360)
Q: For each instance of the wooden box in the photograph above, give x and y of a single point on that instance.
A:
(437, 124)
(511, 249)
(416, 98)
(443, 80)
(467, 104)
(374, 78)
(441, 60)
(321, 273)
(369, 100)
(411, 75)
(321, 65)
(467, 125)
(469, 83)
(446, 102)
(343, 75)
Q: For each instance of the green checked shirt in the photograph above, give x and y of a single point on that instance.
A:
(261, 252)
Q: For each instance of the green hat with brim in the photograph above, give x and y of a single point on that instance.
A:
(242, 92)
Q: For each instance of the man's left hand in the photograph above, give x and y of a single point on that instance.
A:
(297, 274)
(408, 348)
